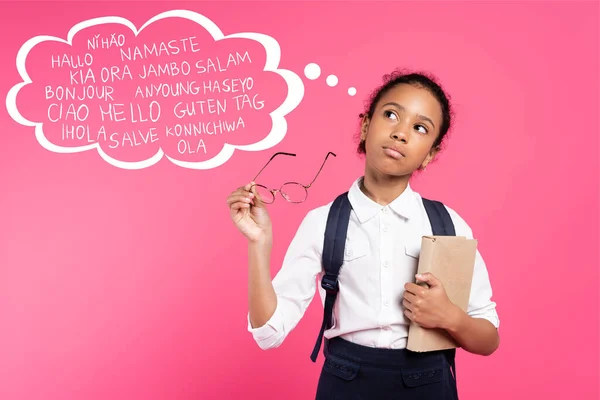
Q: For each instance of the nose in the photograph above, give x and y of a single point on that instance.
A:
(400, 135)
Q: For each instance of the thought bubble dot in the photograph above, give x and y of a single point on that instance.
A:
(312, 71)
(332, 80)
(352, 91)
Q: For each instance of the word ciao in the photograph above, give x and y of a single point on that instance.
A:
(116, 112)
(137, 113)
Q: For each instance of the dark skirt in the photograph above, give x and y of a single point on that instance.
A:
(354, 372)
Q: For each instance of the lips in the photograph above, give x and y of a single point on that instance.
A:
(393, 152)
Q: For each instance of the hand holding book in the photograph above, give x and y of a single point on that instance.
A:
(427, 304)
(441, 292)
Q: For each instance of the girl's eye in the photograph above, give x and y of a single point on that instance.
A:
(389, 114)
(423, 129)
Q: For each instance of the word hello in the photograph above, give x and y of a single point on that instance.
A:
(70, 61)
(136, 112)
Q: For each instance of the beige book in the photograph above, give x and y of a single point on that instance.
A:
(452, 260)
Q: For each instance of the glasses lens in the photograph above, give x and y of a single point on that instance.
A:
(294, 192)
(264, 194)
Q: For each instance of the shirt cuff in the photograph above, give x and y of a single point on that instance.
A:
(490, 315)
(265, 332)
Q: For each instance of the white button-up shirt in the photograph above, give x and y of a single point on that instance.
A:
(381, 255)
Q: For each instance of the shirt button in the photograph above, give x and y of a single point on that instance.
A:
(386, 264)
(349, 252)
(384, 210)
(385, 303)
(385, 228)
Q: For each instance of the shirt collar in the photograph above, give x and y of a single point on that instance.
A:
(404, 205)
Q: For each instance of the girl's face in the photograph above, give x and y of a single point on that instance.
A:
(400, 134)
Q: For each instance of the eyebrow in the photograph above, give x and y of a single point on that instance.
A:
(422, 117)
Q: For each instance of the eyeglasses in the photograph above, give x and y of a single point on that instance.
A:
(293, 192)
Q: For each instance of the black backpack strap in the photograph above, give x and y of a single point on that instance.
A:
(441, 222)
(441, 225)
(333, 258)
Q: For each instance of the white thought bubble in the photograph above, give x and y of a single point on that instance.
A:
(295, 92)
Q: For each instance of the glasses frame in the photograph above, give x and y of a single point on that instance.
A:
(280, 191)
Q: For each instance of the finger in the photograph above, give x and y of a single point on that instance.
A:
(409, 314)
(407, 304)
(428, 278)
(251, 190)
(239, 197)
(410, 297)
(244, 189)
(237, 192)
(415, 289)
(247, 190)
(254, 191)
(237, 210)
(239, 205)
(237, 213)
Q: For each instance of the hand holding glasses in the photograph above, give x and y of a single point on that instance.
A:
(293, 192)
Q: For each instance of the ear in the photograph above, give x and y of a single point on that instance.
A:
(432, 153)
(364, 128)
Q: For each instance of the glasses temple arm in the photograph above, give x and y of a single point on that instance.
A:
(320, 169)
(271, 159)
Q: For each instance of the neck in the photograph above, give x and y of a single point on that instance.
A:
(383, 189)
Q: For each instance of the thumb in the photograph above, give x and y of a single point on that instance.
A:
(429, 278)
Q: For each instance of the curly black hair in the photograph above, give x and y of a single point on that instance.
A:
(419, 79)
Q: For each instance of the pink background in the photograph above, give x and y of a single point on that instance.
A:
(133, 284)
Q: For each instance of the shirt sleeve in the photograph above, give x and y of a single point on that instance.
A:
(480, 299)
(295, 283)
